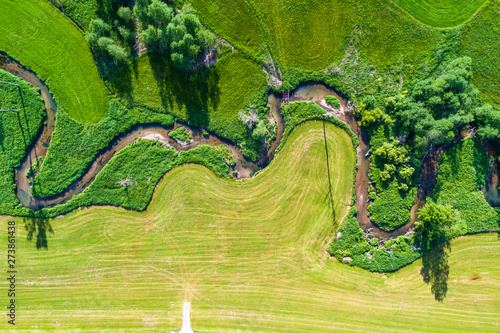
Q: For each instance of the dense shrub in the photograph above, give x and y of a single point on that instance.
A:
(461, 175)
(333, 101)
(181, 134)
(391, 207)
(350, 245)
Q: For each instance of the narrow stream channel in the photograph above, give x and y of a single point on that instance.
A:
(315, 92)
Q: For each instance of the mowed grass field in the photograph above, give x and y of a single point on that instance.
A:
(41, 38)
(481, 41)
(249, 255)
(441, 13)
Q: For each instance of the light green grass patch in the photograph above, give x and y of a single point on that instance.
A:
(247, 254)
(41, 38)
(441, 13)
(236, 21)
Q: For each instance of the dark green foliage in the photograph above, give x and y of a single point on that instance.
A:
(333, 101)
(462, 174)
(179, 35)
(181, 134)
(488, 120)
(99, 39)
(370, 115)
(433, 222)
(74, 146)
(110, 30)
(129, 179)
(393, 173)
(438, 107)
(14, 140)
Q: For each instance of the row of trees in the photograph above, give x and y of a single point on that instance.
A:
(178, 34)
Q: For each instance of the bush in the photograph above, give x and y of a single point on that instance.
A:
(181, 134)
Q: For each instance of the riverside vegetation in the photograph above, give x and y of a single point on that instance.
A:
(378, 54)
(263, 272)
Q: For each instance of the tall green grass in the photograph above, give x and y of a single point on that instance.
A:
(16, 134)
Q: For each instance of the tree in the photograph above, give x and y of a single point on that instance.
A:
(126, 15)
(205, 38)
(117, 53)
(160, 14)
(151, 38)
(437, 107)
(100, 28)
(372, 116)
(488, 120)
(141, 10)
(126, 34)
(433, 222)
(260, 131)
(177, 34)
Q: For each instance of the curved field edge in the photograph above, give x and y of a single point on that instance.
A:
(123, 268)
(54, 48)
(130, 177)
(155, 93)
(441, 13)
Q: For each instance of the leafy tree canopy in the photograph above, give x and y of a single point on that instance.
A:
(177, 34)
(433, 221)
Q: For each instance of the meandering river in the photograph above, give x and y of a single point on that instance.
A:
(245, 168)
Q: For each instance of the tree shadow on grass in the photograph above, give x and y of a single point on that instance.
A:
(197, 92)
(40, 227)
(435, 270)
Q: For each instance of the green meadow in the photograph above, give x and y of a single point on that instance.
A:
(249, 256)
(37, 35)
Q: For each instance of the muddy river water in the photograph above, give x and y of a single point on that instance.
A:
(245, 168)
